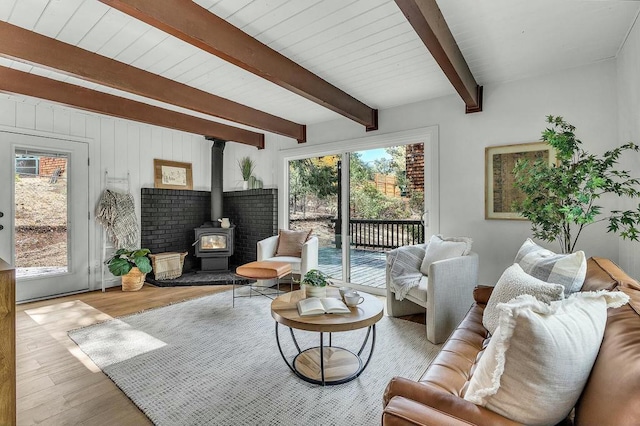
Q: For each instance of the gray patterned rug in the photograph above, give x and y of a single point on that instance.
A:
(202, 362)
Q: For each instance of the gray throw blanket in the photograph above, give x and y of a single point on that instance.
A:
(404, 268)
(116, 212)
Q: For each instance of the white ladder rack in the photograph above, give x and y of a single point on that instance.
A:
(117, 184)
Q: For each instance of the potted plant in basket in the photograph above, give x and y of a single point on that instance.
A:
(315, 283)
(132, 265)
(246, 168)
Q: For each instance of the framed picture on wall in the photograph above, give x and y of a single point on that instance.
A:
(172, 174)
(500, 193)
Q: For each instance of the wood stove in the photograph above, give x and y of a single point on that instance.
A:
(214, 245)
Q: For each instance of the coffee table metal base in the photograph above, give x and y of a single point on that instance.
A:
(328, 364)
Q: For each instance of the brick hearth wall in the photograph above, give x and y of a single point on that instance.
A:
(169, 217)
(255, 214)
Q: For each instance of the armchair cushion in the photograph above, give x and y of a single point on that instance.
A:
(290, 242)
(440, 248)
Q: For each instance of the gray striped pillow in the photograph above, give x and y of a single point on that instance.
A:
(566, 269)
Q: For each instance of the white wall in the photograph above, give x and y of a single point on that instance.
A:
(513, 113)
(628, 67)
(114, 144)
(265, 160)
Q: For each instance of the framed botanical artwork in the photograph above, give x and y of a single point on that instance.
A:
(500, 193)
(172, 174)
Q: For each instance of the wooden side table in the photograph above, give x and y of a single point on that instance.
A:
(326, 364)
(7, 344)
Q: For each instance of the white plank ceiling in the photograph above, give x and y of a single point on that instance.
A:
(364, 47)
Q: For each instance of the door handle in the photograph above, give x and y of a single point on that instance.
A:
(1, 227)
(1, 214)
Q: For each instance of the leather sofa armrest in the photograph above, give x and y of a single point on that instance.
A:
(404, 412)
(482, 293)
(444, 402)
(267, 248)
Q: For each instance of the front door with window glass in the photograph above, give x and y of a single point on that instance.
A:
(44, 203)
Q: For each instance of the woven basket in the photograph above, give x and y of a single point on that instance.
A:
(133, 281)
(153, 261)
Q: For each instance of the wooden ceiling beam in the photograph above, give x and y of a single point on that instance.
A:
(30, 47)
(427, 20)
(195, 25)
(19, 82)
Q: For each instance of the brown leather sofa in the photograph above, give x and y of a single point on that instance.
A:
(610, 397)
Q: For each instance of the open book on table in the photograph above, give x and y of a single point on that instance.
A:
(317, 306)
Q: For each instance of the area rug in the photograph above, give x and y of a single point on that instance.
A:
(198, 278)
(202, 362)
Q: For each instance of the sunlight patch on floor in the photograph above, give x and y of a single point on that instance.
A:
(68, 315)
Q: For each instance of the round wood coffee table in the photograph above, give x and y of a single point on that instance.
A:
(327, 364)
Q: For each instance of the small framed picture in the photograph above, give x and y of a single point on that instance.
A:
(500, 193)
(172, 174)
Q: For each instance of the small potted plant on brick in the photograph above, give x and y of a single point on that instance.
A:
(246, 165)
(132, 265)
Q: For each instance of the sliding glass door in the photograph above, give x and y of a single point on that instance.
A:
(314, 204)
(360, 204)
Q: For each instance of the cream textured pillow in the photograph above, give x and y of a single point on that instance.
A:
(440, 248)
(540, 357)
(566, 269)
(515, 282)
(290, 242)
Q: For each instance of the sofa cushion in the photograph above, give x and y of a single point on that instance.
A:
(566, 269)
(440, 248)
(538, 361)
(290, 242)
(513, 283)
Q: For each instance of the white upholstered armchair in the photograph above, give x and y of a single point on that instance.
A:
(446, 295)
(299, 265)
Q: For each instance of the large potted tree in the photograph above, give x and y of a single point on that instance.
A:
(561, 200)
(132, 265)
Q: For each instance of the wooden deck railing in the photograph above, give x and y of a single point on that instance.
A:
(381, 233)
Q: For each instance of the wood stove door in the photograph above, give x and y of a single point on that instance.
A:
(44, 200)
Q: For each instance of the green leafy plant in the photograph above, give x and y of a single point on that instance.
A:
(247, 166)
(315, 278)
(561, 200)
(124, 260)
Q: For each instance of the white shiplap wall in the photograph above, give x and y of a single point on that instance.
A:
(116, 145)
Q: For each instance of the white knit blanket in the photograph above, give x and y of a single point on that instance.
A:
(116, 212)
(404, 268)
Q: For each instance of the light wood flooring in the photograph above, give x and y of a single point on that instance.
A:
(56, 383)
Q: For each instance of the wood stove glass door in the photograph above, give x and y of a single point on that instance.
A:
(44, 200)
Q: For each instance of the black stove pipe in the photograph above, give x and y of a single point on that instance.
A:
(217, 155)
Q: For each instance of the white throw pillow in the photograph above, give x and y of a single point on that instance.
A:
(538, 361)
(515, 282)
(440, 248)
(566, 269)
